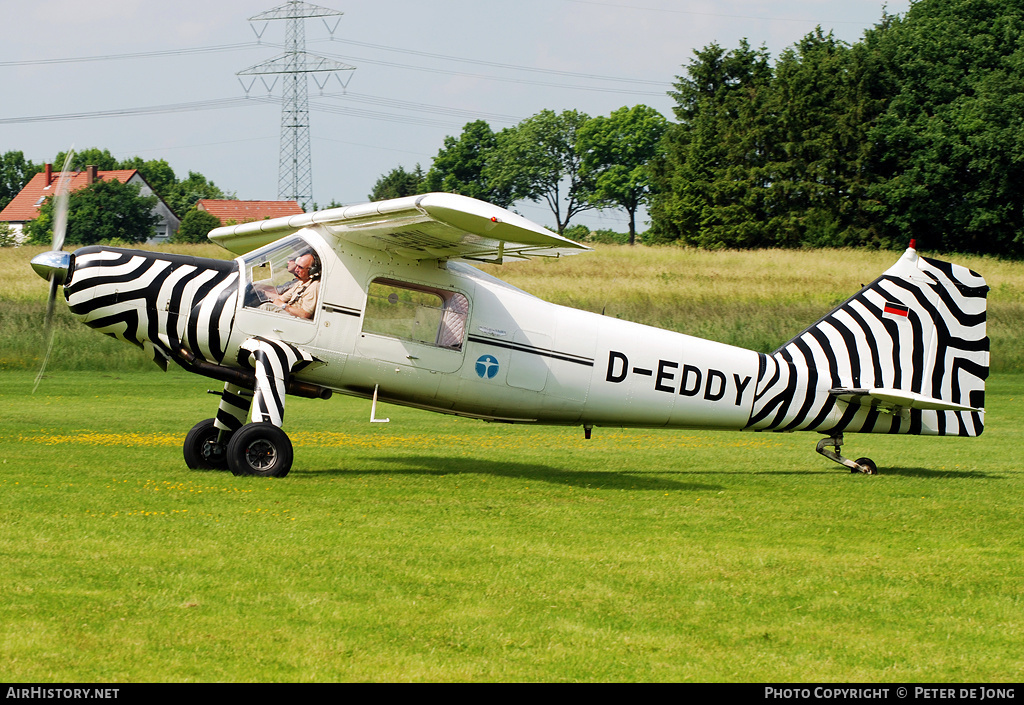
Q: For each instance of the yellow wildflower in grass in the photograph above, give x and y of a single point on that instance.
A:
(610, 439)
(95, 438)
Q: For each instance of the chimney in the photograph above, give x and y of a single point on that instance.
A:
(49, 175)
(91, 173)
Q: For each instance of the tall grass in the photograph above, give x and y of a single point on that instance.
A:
(752, 299)
(756, 300)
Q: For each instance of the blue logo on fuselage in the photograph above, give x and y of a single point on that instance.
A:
(487, 366)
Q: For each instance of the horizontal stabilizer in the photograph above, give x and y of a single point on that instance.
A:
(429, 226)
(896, 398)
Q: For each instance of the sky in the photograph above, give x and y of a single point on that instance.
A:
(158, 80)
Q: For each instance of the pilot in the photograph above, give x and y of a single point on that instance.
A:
(290, 266)
(299, 300)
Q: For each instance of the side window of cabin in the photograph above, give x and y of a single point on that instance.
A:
(418, 313)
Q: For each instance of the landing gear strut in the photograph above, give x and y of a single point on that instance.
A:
(863, 465)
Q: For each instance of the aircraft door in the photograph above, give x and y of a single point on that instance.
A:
(419, 327)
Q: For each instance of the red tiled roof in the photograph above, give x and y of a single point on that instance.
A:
(25, 206)
(248, 211)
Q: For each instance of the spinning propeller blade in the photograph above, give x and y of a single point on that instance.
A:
(60, 227)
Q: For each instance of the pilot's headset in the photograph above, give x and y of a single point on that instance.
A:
(314, 269)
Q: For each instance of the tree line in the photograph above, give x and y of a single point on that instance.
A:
(916, 131)
(569, 161)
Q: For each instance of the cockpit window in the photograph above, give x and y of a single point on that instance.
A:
(418, 313)
(284, 279)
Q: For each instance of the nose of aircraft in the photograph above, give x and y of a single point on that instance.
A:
(53, 263)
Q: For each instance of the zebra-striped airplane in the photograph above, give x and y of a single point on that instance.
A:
(379, 301)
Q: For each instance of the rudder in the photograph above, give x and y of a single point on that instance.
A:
(906, 354)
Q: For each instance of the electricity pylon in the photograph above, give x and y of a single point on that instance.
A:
(295, 169)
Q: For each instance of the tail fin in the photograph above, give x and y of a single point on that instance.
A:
(907, 354)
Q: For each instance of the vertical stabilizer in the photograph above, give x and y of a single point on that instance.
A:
(907, 354)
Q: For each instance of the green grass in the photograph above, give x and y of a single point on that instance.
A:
(441, 549)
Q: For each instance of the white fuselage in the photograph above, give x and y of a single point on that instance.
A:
(521, 359)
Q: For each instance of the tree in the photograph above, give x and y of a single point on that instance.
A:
(102, 211)
(820, 128)
(538, 160)
(186, 193)
(713, 185)
(616, 151)
(195, 226)
(398, 183)
(7, 235)
(950, 143)
(15, 172)
(102, 159)
(459, 166)
(157, 173)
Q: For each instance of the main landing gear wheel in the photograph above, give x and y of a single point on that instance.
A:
(202, 451)
(260, 449)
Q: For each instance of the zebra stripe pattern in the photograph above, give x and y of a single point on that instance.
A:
(920, 327)
(233, 408)
(274, 362)
(159, 302)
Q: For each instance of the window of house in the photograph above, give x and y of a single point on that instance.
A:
(414, 312)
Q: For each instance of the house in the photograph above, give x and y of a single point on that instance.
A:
(236, 212)
(25, 206)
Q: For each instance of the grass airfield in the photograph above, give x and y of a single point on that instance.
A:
(442, 549)
(435, 548)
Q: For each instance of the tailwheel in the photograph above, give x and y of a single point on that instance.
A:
(861, 465)
(260, 449)
(867, 465)
(205, 448)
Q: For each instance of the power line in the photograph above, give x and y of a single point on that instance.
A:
(633, 8)
(522, 81)
(133, 55)
(215, 104)
(425, 107)
(513, 67)
(223, 103)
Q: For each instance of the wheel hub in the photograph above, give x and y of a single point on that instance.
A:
(260, 454)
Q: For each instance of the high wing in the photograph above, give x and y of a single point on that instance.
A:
(429, 226)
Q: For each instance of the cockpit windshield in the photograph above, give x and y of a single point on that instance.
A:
(284, 278)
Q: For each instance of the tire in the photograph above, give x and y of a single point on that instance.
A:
(869, 464)
(203, 433)
(260, 449)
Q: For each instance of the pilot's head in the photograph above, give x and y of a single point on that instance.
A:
(303, 264)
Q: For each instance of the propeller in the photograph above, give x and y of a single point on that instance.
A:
(53, 265)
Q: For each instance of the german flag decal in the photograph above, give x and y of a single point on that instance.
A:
(895, 310)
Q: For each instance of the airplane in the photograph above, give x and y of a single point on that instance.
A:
(393, 311)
